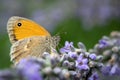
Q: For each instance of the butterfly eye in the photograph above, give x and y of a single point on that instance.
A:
(19, 24)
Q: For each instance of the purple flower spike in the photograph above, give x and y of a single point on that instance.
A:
(111, 70)
(82, 63)
(67, 47)
(92, 56)
(83, 67)
(114, 70)
(118, 71)
(30, 69)
(72, 55)
(102, 43)
(94, 76)
(106, 70)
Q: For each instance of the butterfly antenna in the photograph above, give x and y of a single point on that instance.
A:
(60, 32)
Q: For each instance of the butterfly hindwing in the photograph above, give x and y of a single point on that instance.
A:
(32, 47)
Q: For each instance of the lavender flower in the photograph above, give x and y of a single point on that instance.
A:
(30, 69)
(94, 76)
(66, 63)
(109, 47)
(10, 74)
(93, 56)
(111, 70)
(82, 63)
(102, 43)
(106, 70)
(67, 47)
(71, 64)
(72, 55)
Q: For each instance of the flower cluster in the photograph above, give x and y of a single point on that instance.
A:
(83, 64)
(109, 47)
(70, 63)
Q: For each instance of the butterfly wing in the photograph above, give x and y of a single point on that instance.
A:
(28, 47)
(19, 28)
(32, 47)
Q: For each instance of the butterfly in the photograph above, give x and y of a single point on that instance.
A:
(28, 39)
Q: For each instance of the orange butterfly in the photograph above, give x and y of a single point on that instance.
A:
(28, 39)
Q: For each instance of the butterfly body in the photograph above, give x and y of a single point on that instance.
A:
(28, 39)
